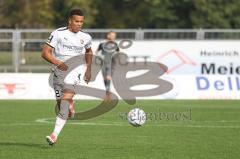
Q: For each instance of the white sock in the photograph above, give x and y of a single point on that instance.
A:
(58, 126)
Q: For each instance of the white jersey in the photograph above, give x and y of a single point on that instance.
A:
(67, 44)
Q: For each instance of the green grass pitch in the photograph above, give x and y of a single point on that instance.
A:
(180, 129)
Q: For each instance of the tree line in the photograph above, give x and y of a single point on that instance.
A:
(154, 14)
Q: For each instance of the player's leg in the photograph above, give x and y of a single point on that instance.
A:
(61, 117)
(64, 111)
(58, 88)
(107, 82)
(58, 84)
(57, 106)
(107, 79)
(71, 109)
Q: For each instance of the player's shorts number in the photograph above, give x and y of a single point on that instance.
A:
(57, 93)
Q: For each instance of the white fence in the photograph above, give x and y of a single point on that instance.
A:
(20, 49)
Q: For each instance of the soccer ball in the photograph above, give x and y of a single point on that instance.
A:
(136, 117)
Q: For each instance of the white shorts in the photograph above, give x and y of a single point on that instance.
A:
(67, 80)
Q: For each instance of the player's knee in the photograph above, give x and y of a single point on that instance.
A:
(68, 95)
(108, 78)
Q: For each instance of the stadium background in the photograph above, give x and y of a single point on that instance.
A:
(197, 40)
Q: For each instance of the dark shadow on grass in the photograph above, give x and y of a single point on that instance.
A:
(20, 144)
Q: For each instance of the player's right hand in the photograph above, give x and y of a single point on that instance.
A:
(62, 66)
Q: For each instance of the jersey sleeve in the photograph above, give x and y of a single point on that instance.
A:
(117, 49)
(99, 47)
(52, 39)
(89, 43)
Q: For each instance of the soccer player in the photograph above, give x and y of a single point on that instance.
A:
(65, 43)
(107, 49)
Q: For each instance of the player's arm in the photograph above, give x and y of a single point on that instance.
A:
(47, 55)
(88, 58)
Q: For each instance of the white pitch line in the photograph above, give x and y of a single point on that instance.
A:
(46, 120)
(118, 124)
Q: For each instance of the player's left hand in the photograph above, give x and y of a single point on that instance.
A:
(87, 76)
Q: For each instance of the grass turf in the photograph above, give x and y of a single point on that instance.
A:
(181, 129)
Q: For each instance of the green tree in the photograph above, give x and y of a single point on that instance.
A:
(163, 14)
(25, 14)
(122, 14)
(41, 14)
(60, 10)
(216, 14)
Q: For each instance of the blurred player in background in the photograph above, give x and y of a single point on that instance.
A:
(63, 44)
(107, 49)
